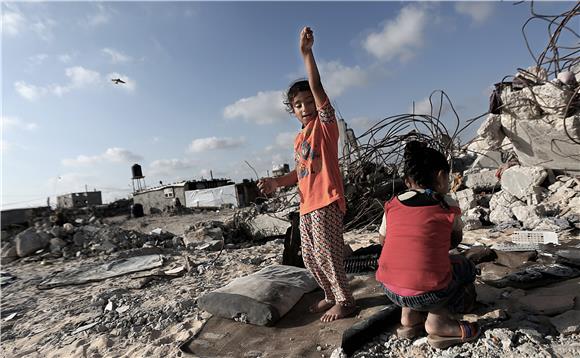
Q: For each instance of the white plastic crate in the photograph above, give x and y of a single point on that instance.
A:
(528, 240)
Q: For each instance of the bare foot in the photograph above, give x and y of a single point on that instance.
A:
(337, 312)
(321, 306)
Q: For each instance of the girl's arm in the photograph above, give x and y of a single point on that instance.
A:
(306, 43)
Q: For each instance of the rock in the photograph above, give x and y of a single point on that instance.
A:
(156, 231)
(504, 336)
(79, 238)
(79, 221)
(29, 241)
(534, 141)
(520, 181)
(547, 305)
(490, 131)
(567, 323)
(262, 297)
(472, 219)
(466, 199)
(57, 231)
(552, 99)
(501, 215)
(504, 200)
(91, 229)
(479, 254)
(515, 259)
(56, 244)
(530, 216)
(570, 257)
(202, 236)
(266, 225)
(487, 159)
(9, 253)
(484, 180)
(68, 228)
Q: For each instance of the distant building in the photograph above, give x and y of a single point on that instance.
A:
(21, 217)
(280, 170)
(79, 200)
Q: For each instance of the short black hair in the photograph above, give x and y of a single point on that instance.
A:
(300, 85)
(421, 164)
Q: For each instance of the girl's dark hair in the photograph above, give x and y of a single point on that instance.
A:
(421, 164)
(298, 86)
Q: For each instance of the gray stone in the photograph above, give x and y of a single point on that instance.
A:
(202, 236)
(553, 99)
(68, 228)
(484, 180)
(567, 322)
(262, 297)
(56, 244)
(91, 229)
(490, 159)
(501, 215)
(266, 225)
(79, 238)
(530, 216)
(520, 181)
(214, 245)
(29, 241)
(545, 142)
(466, 199)
(471, 219)
(9, 254)
(505, 200)
(57, 231)
(490, 131)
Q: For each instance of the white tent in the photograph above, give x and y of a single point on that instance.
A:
(215, 197)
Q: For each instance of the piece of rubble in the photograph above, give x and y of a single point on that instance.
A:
(29, 241)
(530, 216)
(479, 254)
(535, 275)
(466, 199)
(547, 305)
(472, 219)
(520, 181)
(9, 253)
(553, 99)
(263, 297)
(570, 257)
(56, 244)
(515, 259)
(484, 180)
(567, 322)
(68, 228)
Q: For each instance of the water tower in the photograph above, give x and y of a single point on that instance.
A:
(138, 178)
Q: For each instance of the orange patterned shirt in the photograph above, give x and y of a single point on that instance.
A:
(316, 157)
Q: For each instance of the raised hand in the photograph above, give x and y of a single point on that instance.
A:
(267, 185)
(306, 39)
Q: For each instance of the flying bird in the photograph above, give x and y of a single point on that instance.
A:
(117, 80)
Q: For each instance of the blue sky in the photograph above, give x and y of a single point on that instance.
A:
(205, 81)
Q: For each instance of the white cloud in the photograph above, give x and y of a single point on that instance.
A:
(425, 107)
(116, 56)
(12, 21)
(115, 155)
(338, 78)
(9, 122)
(263, 108)
(479, 11)
(28, 91)
(65, 58)
(214, 143)
(401, 37)
(82, 77)
(101, 16)
(170, 166)
(43, 28)
(37, 59)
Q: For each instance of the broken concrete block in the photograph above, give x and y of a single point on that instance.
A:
(68, 228)
(519, 105)
(269, 225)
(520, 181)
(490, 159)
(29, 241)
(9, 254)
(56, 244)
(202, 236)
(484, 180)
(465, 198)
(567, 322)
(213, 245)
(501, 215)
(515, 259)
(503, 199)
(545, 142)
(547, 305)
(552, 99)
(552, 224)
(490, 131)
(472, 219)
(530, 216)
(262, 297)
